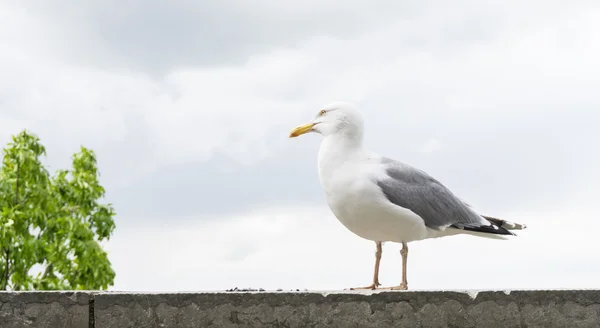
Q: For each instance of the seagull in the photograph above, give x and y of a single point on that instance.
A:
(383, 200)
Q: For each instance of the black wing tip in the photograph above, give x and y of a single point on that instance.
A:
(491, 229)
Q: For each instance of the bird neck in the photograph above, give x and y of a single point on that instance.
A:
(349, 138)
(340, 144)
(335, 150)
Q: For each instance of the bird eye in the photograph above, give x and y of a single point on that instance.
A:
(322, 112)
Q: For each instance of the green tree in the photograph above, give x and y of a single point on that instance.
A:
(51, 227)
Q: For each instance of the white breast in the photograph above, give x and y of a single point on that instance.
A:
(359, 204)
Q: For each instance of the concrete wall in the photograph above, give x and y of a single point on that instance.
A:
(568, 308)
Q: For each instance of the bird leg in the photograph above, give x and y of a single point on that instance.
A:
(375, 283)
(404, 284)
(404, 253)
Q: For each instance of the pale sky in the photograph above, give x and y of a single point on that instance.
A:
(188, 106)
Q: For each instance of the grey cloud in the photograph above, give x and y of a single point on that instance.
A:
(156, 36)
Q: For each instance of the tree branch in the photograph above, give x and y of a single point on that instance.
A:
(6, 269)
(48, 270)
(7, 249)
(17, 184)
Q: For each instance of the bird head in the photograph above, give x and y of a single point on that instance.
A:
(338, 117)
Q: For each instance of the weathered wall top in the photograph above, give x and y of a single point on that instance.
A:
(553, 308)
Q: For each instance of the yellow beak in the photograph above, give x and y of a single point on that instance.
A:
(302, 129)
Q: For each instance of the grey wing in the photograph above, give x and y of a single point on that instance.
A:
(415, 190)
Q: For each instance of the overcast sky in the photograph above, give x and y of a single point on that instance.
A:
(188, 106)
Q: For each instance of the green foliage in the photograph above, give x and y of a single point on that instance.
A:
(54, 222)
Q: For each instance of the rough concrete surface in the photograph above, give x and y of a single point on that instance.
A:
(44, 309)
(558, 308)
(382, 309)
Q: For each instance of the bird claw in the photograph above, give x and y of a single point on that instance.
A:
(372, 286)
(399, 287)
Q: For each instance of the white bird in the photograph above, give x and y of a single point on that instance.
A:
(383, 200)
